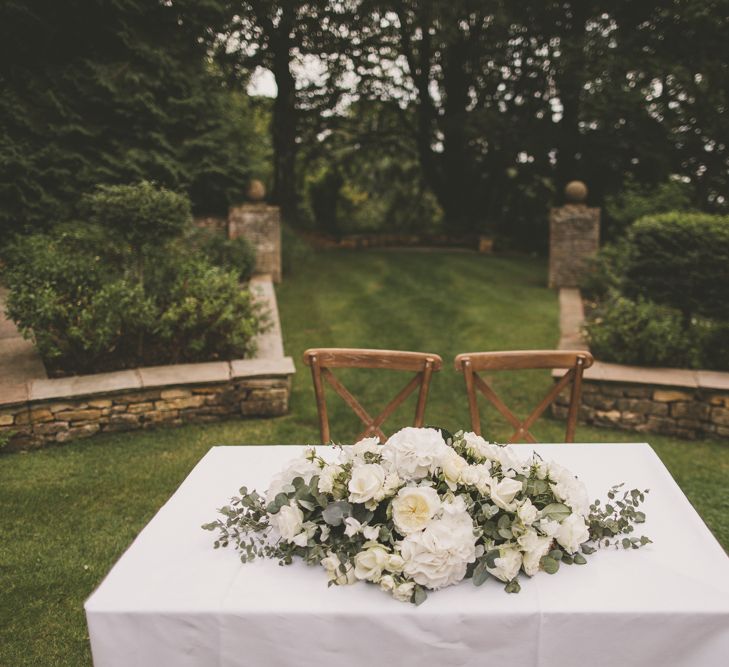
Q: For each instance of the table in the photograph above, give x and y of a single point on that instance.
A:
(174, 600)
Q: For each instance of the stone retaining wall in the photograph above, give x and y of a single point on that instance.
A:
(40, 422)
(669, 401)
(43, 411)
(660, 409)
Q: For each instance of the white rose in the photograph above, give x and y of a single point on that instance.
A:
(300, 467)
(366, 482)
(500, 454)
(414, 452)
(359, 449)
(548, 526)
(503, 493)
(289, 521)
(470, 476)
(413, 508)
(572, 492)
(453, 466)
(404, 592)
(371, 532)
(572, 532)
(439, 555)
(368, 564)
(352, 526)
(540, 547)
(332, 565)
(392, 484)
(527, 513)
(387, 583)
(327, 476)
(507, 564)
(476, 446)
(395, 563)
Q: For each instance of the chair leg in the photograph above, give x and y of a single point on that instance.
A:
(321, 404)
(472, 400)
(575, 400)
(423, 394)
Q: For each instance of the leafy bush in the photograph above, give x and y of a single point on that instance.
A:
(203, 313)
(101, 298)
(605, 271)
(142, 214)
(681, 260)
(236, 255)
(635, 201)
(640, 332)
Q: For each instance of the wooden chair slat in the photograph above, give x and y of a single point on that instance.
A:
(575, 362)
(352, 402)
(393, 405)
(382, 359)
(523, 360)
(322, 360)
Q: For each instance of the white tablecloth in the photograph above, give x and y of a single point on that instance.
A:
(174, 600)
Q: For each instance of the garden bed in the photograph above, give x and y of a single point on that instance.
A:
(670, 401)
(44, 411)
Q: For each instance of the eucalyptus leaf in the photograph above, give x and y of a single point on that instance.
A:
(335, 512)
(550, 565)
(480, 573)
(556, 511)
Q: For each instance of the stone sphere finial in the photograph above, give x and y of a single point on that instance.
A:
(575, 192)
(256, 191)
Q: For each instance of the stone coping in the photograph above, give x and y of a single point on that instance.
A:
(571, 317)
(269, 362)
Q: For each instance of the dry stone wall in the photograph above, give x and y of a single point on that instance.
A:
(670, 401)
(679, 411)
(44, 411)
(39, 422)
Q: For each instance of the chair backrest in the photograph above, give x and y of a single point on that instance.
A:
(574, 362)
(322, 360)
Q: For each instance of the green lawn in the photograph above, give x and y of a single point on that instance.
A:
(69, 512)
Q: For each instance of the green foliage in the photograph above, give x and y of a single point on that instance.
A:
(202, 313)
(141, 214)
(235, 255)
(640, 332)
(636, 200)
(605, 271)
(681, 260)
(124, 294)
(119, 92)
(120, 480)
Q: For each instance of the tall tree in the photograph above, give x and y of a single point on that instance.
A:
(95, 91)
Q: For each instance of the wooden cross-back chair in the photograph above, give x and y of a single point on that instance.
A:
(322, 360)
(574, 362)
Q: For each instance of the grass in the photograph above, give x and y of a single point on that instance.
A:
(69, 512)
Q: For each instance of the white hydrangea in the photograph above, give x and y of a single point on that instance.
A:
(414, 452)
(439, 555)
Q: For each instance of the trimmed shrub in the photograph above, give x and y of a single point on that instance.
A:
(236, 255)
(605, 271)
(142, 214)
(103, 298)
(681, 260)
(635, 201)
(640, 332)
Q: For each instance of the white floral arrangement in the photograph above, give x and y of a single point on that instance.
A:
(425, 510)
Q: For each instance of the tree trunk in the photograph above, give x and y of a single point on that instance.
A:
(570, 147)
(284, 126)
(456, 194)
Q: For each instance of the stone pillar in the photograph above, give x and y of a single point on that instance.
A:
(260, 224)
(574, 237)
